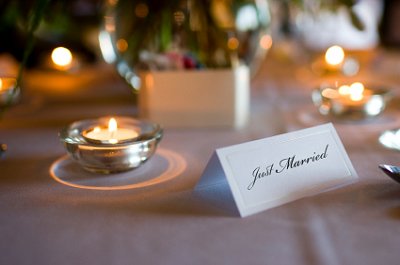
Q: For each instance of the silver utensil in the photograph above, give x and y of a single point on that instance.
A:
(392, 171)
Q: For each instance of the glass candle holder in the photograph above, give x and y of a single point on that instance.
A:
(103, 149)
(352, 101)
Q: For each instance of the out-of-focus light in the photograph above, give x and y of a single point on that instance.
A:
(149, 79)
(350, 66)
(109, 23)
(141, 10)
(356, 91)
(329, 93)
(247, 18)
(344, 90)
(233, 43)
(179, 17)
(135, 82)
(122, 45)
(106, 47)
(334, 55)
(375, 106)
(356, 97)
(357, 88)
(62, 58)
(266, 42)
(7, 84)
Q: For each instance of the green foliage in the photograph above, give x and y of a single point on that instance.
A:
(34, 19)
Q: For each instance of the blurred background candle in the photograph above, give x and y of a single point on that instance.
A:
(354, 94)
(351, 101)
(334, 57)
(336, 61)
(62, 58)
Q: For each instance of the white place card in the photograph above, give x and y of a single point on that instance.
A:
(269, 172)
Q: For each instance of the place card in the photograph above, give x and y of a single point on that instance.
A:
(269, 172)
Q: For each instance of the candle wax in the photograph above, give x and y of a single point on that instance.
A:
(103, 134)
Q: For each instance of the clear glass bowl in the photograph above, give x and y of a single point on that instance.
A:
(111, 158)
(330, 102)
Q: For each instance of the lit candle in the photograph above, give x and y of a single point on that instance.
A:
(62, 58)
(335, 61)
(111, 134)
(352, 97)
(7, 85)
(334, 57)
(352, 101)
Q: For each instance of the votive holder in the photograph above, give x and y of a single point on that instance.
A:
(109, 156)
(352, 101)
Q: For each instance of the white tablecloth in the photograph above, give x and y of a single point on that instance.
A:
(45, 222)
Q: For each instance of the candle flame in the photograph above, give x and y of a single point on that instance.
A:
(61, 57)
(356, 91)
(356, 97)
(334, 55)
(1, 84)
(329, 93)
(357, 88)
(112, 125)
(344, 90)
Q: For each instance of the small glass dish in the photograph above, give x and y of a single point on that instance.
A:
(109, 157)
(337, 101)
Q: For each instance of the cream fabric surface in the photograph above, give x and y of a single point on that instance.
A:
(45, 222)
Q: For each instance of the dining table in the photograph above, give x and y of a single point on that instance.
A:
(52, 212)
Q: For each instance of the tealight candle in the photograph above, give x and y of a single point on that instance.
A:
(334, 61)
(334, 57)
(62, 59)
(7, 93)
(354, 100)
(111, 134)
(108, 149)
(353, 95)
